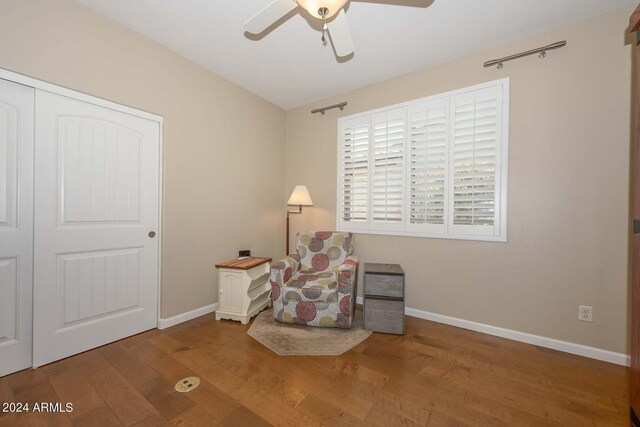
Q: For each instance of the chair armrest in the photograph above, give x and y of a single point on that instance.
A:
(347, 275)
(282, 270)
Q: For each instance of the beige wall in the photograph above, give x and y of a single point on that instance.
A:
(225, 156)
(223, 146)
(568, 189)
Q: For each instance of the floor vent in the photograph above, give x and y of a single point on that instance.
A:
(187, 384)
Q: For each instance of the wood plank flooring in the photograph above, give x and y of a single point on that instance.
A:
(434, 375)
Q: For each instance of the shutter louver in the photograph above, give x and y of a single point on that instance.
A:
(476, 137)
(355, 173)
(428, 166)
(388, 159)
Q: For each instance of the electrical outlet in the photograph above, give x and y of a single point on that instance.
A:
(585, 313)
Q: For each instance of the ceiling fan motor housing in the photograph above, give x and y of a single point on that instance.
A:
(331, 12)
(319, 7)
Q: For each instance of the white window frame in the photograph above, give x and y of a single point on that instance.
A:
(461, 232)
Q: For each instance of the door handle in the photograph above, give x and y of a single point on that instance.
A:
(152, 234)
(636, 226)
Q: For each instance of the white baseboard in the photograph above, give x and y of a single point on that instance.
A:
(172, 321)
(567, 347)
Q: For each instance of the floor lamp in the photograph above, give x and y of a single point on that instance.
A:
(300, 197)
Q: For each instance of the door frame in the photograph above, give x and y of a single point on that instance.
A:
(81, 96)
(634, 395)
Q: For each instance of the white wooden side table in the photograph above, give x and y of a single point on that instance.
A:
(243, 288)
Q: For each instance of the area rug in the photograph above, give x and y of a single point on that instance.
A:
(298, 340)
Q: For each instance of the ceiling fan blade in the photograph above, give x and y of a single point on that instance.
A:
(269, 15)
(340, 35)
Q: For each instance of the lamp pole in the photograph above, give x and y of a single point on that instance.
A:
(287, 227)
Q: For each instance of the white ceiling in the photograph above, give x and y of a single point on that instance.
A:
(290, 67)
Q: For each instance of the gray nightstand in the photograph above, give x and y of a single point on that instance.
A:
(384, 298)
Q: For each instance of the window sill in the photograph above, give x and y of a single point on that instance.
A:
(497, 239)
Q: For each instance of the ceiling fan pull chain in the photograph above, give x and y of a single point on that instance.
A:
(323, 11)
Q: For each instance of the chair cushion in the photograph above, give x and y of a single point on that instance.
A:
(309, 285)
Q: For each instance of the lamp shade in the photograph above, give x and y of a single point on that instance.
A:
(300, 196)
(312, 6)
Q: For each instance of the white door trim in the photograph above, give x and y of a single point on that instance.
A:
(160, 223)
(81, 96)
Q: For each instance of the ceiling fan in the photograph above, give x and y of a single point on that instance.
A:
(329, 11)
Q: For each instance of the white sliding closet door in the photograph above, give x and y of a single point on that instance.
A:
(96, 215)
(16, 225)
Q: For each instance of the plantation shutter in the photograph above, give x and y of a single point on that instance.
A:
(388, 165)
(428, 157)
(354, 173)
(432, 167)
(475, 150)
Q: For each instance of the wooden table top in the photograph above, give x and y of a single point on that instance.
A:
(390, 269)
(243, 263)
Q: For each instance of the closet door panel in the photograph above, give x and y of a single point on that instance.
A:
(16, 225)
(97, 201)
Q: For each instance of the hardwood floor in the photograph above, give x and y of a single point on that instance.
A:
(434, 375)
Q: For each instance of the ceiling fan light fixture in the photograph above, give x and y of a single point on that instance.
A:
(315, 6)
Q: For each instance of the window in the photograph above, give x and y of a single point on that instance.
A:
(432, 167)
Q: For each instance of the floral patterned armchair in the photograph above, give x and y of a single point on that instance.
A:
(317, 285)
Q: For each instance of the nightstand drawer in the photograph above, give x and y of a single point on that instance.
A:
(381, 315)
(384, 285)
